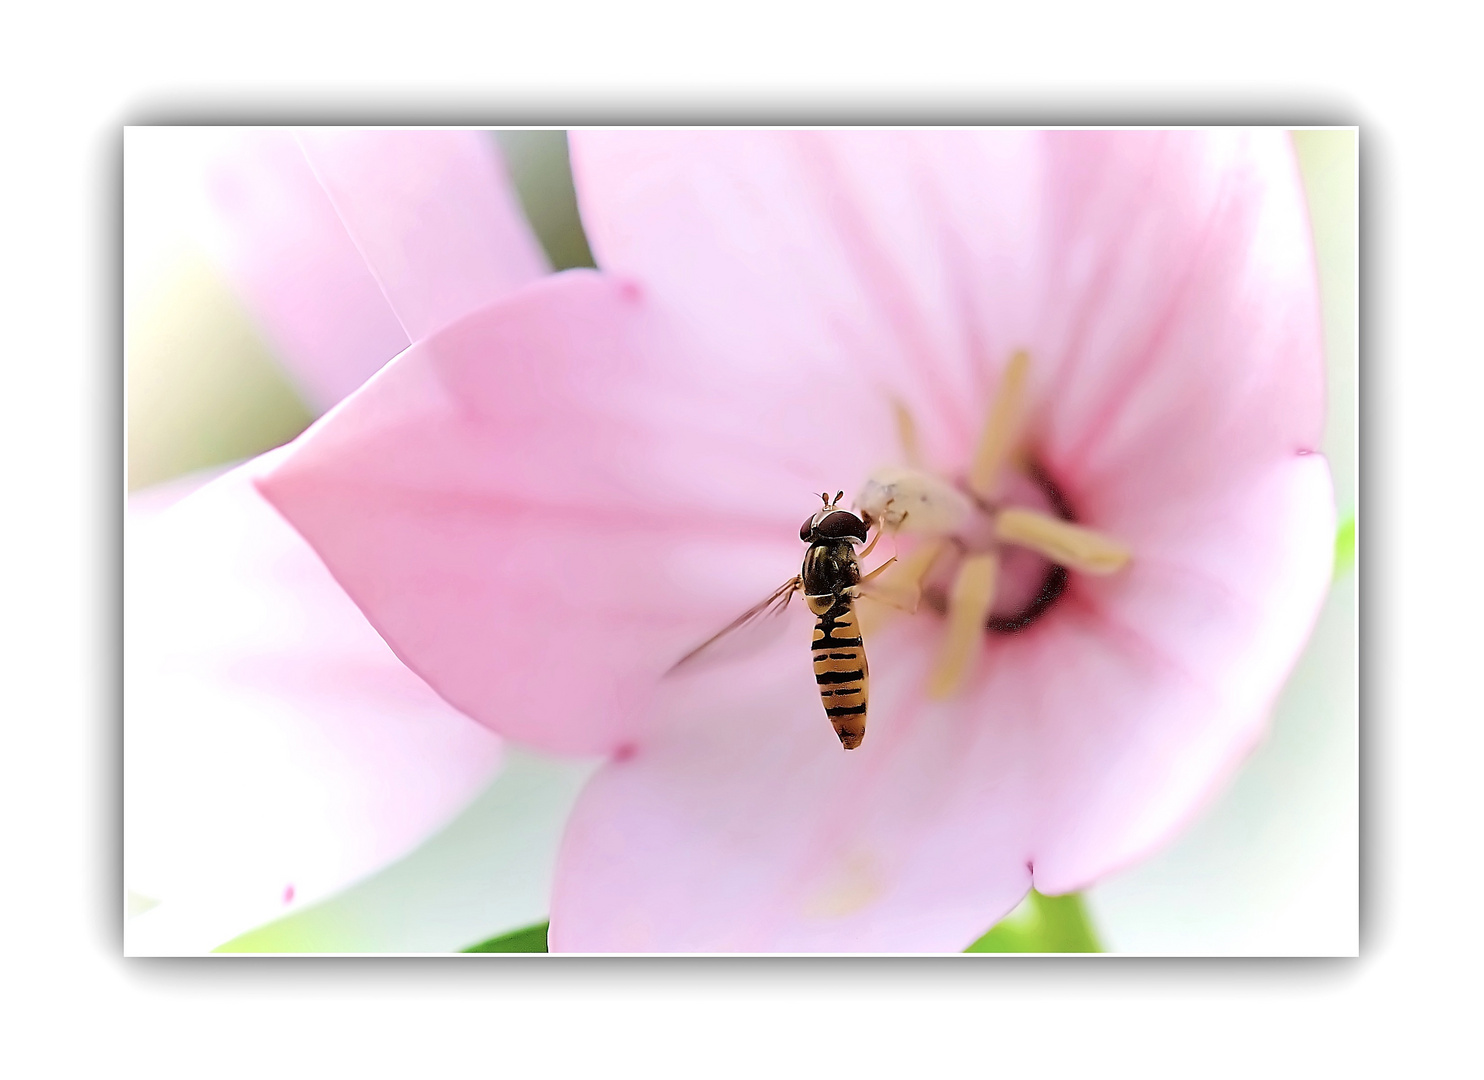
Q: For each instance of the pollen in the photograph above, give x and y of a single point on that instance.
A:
(966, 525)
(850, 886)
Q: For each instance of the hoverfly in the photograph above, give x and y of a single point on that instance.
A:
(830, 580)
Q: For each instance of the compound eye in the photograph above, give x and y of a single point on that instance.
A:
(806, 528)
(842, 523)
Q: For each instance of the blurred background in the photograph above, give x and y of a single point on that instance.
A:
(1271, 867)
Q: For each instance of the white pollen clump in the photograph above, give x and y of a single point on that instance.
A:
(913, 501)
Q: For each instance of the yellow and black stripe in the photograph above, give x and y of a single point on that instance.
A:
(840, 670)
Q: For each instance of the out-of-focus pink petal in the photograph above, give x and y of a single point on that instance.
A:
(738, 825)
(148, 502)
(545, 505)
(407, 231)
(276, 749)
(434, 216)
(281, 242)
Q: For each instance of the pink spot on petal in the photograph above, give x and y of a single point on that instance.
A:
(624, 752)
(288, 894)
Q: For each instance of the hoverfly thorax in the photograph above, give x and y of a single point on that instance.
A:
(831, 569)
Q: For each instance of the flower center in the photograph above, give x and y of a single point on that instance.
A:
(996, 548)
(1028, 582)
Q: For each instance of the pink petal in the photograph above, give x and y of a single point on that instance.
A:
(546, 504)
(1185, 654)
(739, 825)
(1190, 358)
(903, 263)
(434, 216)
(276, 749)
(398, 233)
(1149, 274)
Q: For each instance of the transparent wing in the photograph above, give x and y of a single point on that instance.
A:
(747, 629)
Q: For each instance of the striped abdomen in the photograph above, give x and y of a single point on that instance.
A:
(841, 672)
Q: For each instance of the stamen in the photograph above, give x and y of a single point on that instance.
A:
(968, 606)
(906, 433)
(1001, 429)
(971, 517)
(1069, 545)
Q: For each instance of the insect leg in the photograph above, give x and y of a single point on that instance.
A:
(906, 604)
(902, 588)
(878, 569)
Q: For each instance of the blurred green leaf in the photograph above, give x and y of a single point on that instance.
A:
(541, 171)
(1042, 924)
(527, 939)
(1345, 546)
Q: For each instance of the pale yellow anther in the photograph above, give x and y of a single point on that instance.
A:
(1070, 545)
(968, 606)
(1001, 429)
(906, 433)
(898, 589)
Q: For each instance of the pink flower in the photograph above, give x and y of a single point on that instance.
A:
(276, 749)
(546, 503)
